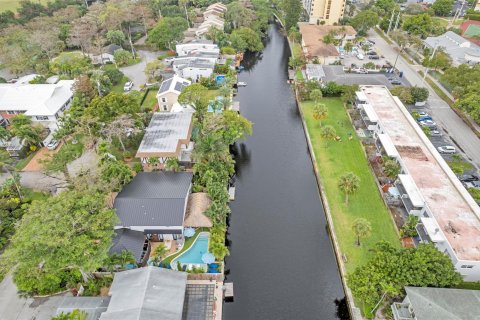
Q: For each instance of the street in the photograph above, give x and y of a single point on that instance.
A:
(458, 131)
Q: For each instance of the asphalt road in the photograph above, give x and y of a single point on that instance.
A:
(136, 72)
(444, 116)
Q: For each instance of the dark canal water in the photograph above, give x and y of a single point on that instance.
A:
(282, 262)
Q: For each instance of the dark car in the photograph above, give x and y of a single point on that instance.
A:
(467, 178)
(472, 184)
(373, 57)
(372, 53)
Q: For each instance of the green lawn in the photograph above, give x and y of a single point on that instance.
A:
(335, 159)
(150, 100)
(299, 75)
(13, 5)
(460, 166)
(118, 88)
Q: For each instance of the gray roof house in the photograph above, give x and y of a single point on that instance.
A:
(167, 136)
(169, 91)
(457, 47)
(438, 304)
(154, 203)
(133, 241)
(315, 72)
(92, 306)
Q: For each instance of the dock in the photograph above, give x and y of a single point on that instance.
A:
(228, 291)
(231, 193)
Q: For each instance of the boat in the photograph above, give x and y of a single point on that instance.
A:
(242, 84)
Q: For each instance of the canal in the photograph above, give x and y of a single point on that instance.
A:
(281, 258)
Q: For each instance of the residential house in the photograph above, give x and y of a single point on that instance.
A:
(43, 103)
(169, 91)
(197, 45)
(133, 241)
(315, 72)
(211, 22)
(457, 47)
(422, 303)
(154, 203)
(195, 69)
(151, 293)
(429, 189)
(167, 136)
(315, 48)
(106, 55)
(327, 12)
(16, 147)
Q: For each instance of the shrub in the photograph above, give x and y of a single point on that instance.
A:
(137, 167)
(228, 50)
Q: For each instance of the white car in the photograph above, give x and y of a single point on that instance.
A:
(52, 145)
(428, 123)
(423, 114)
(128, 86)
(241, 84)
(360, 56)
(447, 150)
(435, 133)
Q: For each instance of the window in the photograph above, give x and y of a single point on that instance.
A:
(11, 112)
(164, 99)
(165, 108)
(42, 117)
(467, 266)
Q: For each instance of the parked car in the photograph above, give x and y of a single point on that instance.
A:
(371, 41)
(241, 84)
(360, 56)
(472, 184)
(467, 178)
(373, 57)
(372, 53)
(395, 82)
(435, 133)
(128, 86)
(424, 118)
(428, 123)
(360, 70)
(52, 145)
(423, 114)
(447, 150)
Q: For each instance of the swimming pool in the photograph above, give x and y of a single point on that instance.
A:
(194, 254)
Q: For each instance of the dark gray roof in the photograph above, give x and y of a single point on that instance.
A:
(93, 306)
(154, 199)
(441, 303)
(145, 294)
(130, 240)
(112, 48)
(173, 84)
(199, 302)
(165, 85)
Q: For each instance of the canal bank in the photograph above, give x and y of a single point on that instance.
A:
(282, 262)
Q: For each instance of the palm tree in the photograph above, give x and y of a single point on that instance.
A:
(316, 95)
(6, 164)
(348, 46)
(362, 229)
(328, 132)
(391, 168)
(159, 253)
(348, 184)
(320, 112)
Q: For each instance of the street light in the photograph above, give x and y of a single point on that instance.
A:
(431, 57)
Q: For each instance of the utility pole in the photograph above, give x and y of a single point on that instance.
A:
(390, 23)
(431, 57)
(459, 11)
(398, 21)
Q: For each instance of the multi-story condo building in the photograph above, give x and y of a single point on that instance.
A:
(326, 12)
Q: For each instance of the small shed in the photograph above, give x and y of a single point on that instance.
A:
(315, 72)
(195, 216)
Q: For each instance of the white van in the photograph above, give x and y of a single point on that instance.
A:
(360, 56)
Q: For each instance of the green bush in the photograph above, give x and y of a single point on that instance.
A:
(137, 167)
(228, 50)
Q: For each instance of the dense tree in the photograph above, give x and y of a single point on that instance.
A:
(72, 233)
(7, 164)
(116, 174)
(291, 11)
(391, 168)
(70, 64)
(442, 7)
(364, 20)
(238, 15)
(420, 25)
(245, 39)
(76, 314)
(167, 32)
(419, 93)
(116, 37)
(440, 60)
(153, 69)
(122, 57)
(23, 128)
(348, 184)
(122, 126)
(399, 267)
(328, 132)
(361, 228)
(403, 93)
(107, 108)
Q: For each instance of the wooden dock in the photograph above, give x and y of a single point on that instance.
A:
(228, 291)
(231, 193)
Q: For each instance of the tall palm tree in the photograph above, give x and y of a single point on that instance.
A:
(362, 229)
(348, 184)
(6, 163)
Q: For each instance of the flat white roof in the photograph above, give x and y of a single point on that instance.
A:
(412, 190)
(453, 208)
(433, 229)
(361, 96)
(388, 145)
(372, 116)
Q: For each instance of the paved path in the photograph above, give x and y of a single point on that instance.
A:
(458, 130)
(136, 73)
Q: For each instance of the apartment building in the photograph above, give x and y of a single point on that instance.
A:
(326, 12)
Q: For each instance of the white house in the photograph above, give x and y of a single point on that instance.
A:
(169, 91)
(44, 103)
(205, 46)
(195, 69)
(457, 47)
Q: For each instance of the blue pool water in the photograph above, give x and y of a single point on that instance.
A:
(196, 251)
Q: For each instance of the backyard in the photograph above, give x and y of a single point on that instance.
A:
(150, 100)
(13, 5)
(335, 158)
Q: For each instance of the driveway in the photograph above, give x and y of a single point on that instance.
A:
(42, 154)
(39, 181)
(443, 115)
(14, 307)
(136, 73)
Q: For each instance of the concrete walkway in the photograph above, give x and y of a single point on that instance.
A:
(456, 128)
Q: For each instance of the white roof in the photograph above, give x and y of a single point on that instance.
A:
(433, 229)
(388, 145)
(412, 190)
(361, 96)
(371, 114)
(35, 99)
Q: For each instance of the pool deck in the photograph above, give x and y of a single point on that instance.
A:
(217, 313)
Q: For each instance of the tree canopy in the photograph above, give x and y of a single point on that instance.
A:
(105, 109)
(245, 39)
(167, 32)
(442, 7)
